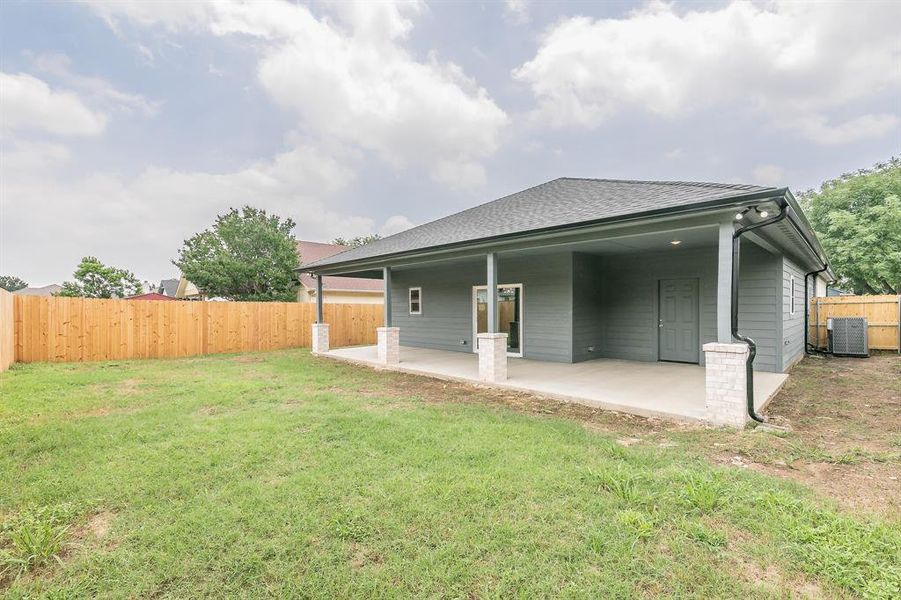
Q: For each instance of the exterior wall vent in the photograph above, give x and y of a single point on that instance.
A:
(848, 336)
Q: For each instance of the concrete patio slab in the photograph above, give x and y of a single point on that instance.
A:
(668, 390)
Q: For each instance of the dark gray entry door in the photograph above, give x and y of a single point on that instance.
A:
(678, 324)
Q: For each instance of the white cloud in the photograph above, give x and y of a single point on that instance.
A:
(28, 103)
(100, 91)
(769, 175)
(517, 10)
(816, 128)
(140, 222)
(172, 16)
(20, 155)
(350, 78)
(395, 224)
(783, 60)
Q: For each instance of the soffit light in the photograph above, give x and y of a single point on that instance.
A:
(676, 242)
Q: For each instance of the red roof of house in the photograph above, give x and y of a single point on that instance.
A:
(312, 251)
(150, 296)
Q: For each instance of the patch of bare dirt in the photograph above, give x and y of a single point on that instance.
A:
(99, 524)
(844, 403)
(362, 557)
(845, 418)
(126, 387)
(866, 486)
(291, 404)
(774, 581)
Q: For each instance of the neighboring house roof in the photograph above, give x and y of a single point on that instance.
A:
(310, 252)
(169, 287)
(566, 201)
(46, 290)
(150, 296)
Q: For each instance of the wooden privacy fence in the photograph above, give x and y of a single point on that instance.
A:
(81, 329)
(883, 314)
(7, 331)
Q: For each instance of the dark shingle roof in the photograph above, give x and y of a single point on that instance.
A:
(168, 287)
(564, 201)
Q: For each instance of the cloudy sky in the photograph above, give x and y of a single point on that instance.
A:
(128, 125)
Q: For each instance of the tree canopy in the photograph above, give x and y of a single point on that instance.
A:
(356, 242)
(11, 283)
(93, 279)
(858, 220)
(246, 255)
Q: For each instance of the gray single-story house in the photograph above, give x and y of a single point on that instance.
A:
(594, 270)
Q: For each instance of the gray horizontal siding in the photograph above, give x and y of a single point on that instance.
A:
(573, 301)
(630, 297)
(792, 324)
(758, 307)
(446, 319)
(588, 307)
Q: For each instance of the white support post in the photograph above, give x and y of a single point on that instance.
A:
(320, 338)
(724, 284)
(388, 345)
(492, 357)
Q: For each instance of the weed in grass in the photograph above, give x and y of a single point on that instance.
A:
(32, 540)
(702, 492)
(640, 524)
(702, 534)
(350, 526)
(622, 482)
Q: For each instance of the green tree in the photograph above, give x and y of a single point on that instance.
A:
(360, 240)
(246, 255)
(858, 219)
(93, 279)
(11, 283)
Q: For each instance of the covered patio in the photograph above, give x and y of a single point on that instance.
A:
(650, 389)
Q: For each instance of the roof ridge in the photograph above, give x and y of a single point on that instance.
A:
(712, 184)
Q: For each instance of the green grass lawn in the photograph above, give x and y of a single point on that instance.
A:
(284, 475)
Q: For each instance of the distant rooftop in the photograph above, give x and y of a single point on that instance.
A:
(313, 251)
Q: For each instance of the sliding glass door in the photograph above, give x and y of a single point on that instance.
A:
(509, 308)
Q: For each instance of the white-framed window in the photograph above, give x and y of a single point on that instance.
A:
(415, 301)
(793, 295)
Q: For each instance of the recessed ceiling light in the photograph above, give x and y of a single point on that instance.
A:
(676, 242)
(739, 216)
(764, 214)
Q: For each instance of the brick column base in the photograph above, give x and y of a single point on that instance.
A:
(320, 338)
(492, 357)
(388, 345)
(726, 398)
